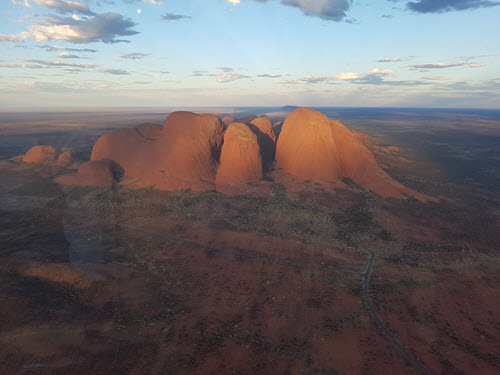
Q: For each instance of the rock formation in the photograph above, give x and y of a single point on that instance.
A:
(149, 130)
(185, 156)
(92, 173)
(306, 148)
(228, 120)
(240, 160)
(358, 163)
(129, 149)
(40, 154)
(189, 152)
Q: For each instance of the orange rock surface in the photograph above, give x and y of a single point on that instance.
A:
(240, 160)
(188, 151)
(149, 130)
(129, 149)
(358, 163)
(228, 120)
(306, 148)
(91, 173)
(40, 154)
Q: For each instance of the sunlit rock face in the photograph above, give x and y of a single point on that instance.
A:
(306, 147)
(240, 160)
(40, 154)
(149, 130)
(358, 163)
(185, 155)
(201, 152)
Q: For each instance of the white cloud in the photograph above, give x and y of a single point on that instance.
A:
(65, 55)
(106, 27)
(133, 55)
(442, 65)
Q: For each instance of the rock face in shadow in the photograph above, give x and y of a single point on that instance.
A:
(277, 129)
(92, 173)
(40, 154)
(267, 139)
(149, 130)
(306, 148)
(240, 160)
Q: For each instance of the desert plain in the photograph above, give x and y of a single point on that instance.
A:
(270, 276)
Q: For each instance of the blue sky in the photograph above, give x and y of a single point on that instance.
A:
(190, 53)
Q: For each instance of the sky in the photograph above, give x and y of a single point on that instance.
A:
(233, 53)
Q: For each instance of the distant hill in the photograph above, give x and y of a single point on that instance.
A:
(289, 108)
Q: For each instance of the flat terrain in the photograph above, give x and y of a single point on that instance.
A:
(115, 280)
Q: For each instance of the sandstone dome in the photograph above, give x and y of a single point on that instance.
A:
(149, 130)
(188, 151)
(40, 154)
(92, 173)
(359, 164)
(228, 120)
(128, 148)
(306, 148)
(246, 120)
(240, 160)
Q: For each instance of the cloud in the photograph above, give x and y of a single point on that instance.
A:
(65, 55)
(21, 2)
(174, 17)
(49, 48)
(442, 65)
(229, 77)
(200, 73)
(118, 72)
(224, 75)
(330, 10)
(134, 55)
(441, 6)
(389, 60)
(58, 64)
(106, 27)
(61, 6)
(435, 78)
(265, 75)
(374, 76)
(154, 2)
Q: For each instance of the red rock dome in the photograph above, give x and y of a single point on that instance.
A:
(306, 148)
(228, 120)
(149, 130)
(359, 164)
(240, 160)
(91, 173)
(40, 154)
(129, 149)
